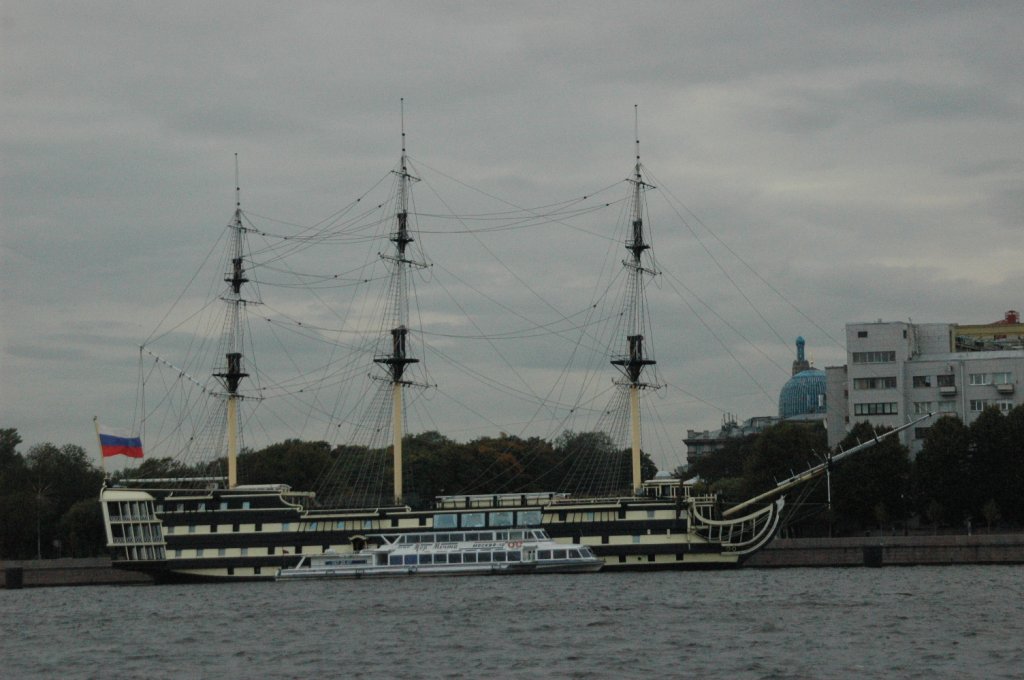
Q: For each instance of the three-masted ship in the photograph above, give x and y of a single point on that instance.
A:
(213, 529)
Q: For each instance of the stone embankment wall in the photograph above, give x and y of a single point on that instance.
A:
(66, 572)
(877, 551)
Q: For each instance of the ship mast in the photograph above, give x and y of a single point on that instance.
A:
(233, 374)
(397, 359)
(632, 362)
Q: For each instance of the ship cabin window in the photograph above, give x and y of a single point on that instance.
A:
(367, 524)
(650, 558)
(574, 553)
(501, 519)
(426, 559)
(159, 507)
(588, 516)
(473, 519)
(201, 506)
(213, 528)
(455, 558)
(259, 526)
(181, 507)
(245, 505)
(270, 550)
(515, 556)
(199, 552)
(313, 526)
(177, 552)
(235, 527)
(543, 554)
(622, 559)
(244, 551)
(469, 558)
(231, 571)
(298, 550)
(528, 518)
(394, 560)
(560, 554)
(410, 559)
(191, 528)
(256, 571)
(286, 526)
(223, 505)
(445, 521)
(221, 552)
(423, 521)
(441, 559)
(650, 514)
(499, 556)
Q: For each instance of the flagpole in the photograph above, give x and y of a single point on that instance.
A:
(99, 442)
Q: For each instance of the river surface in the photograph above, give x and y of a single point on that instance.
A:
(911, 622)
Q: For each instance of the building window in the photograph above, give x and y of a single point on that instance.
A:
(887, 408)
(948, 380)
(920, 432)
(922, 407)
(887, 383)
(981, 379)
(862, 334)
(1005, 378)
(978, 405)
(947, 406)
(1004, 405)
(874, 357)
(922, 381)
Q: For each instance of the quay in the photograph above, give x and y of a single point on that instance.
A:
(858, 551)
(891, 550)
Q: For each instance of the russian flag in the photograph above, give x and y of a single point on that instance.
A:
(119, 443)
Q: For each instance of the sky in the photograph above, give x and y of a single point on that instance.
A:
(823, 163)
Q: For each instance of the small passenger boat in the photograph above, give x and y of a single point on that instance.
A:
(455, 553)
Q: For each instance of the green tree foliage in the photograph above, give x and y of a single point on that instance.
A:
(294, 462)
(80, 530)
(871, 488)
(941, 473)
(779, 452)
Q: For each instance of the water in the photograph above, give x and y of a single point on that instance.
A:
(916, 622)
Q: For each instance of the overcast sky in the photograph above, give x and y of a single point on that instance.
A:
(864, 160)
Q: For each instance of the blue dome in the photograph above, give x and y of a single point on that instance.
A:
(803, 394)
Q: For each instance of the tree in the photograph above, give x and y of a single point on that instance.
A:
(80, 530)
(941, 473)
(990, 461)
(872, 486)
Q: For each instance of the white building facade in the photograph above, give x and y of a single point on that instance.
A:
(898, 370)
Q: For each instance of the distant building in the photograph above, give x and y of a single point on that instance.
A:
(896, 370)
(701, 444)
(803, 397)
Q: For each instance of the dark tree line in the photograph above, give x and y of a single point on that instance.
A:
(963, 473)
(48, 502)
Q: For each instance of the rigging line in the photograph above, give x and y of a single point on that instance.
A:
(153, 335)
(528, 222)
(501, 200)
(725, 347)
(673, 280)
(505, 266)
(748, 267)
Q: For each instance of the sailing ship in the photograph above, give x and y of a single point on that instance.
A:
(214, 528)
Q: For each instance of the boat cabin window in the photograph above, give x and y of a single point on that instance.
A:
(394, 560)
(426, 559)
(446, 521)
(410, 559)
(559, 554)
(543, 554)
(469, 558)
(515, 556)
(574, 553)
(501, 519)
(500, 556)
(455, 558)
(528, 518)
(441, 559)
(473, 519)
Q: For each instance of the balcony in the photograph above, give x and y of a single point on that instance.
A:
(1005, 388)
(948, 390)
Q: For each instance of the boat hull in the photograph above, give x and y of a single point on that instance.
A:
(232, 535)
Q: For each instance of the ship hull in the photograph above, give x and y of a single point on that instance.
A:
(242, 534)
